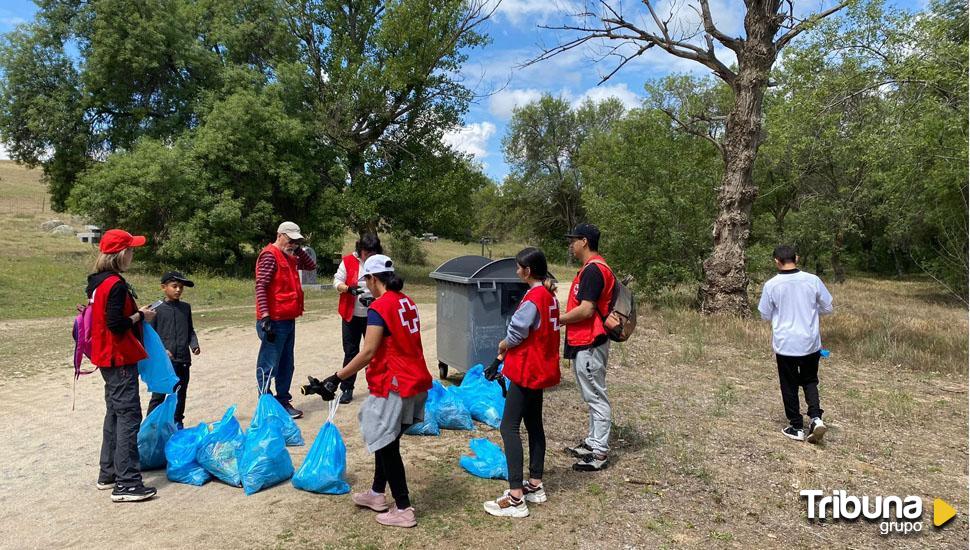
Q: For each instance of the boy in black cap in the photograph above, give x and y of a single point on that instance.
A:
(173, 323)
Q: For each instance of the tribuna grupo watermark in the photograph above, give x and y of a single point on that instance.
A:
(903, 515)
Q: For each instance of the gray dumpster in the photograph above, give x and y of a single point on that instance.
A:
(476, 298)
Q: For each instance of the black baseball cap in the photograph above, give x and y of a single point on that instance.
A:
(586, 231)
(176, 276)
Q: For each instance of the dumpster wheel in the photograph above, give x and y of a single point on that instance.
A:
(442, 370)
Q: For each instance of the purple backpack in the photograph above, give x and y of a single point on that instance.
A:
(82, 338)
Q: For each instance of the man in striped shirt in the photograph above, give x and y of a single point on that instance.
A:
(279, 301)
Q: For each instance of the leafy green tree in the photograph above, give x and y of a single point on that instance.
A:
(650, 188)
(541, 147)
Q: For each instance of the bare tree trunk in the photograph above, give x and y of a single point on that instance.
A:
(725, 288)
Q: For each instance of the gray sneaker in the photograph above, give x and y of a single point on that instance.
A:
(580, 451)
(592, 462)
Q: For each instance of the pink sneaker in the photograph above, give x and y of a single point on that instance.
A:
(370, 499)
(398, 518)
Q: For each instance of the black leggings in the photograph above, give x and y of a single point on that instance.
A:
(523, 404)
(389, 470)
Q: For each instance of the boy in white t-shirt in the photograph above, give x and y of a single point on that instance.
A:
(793, 301)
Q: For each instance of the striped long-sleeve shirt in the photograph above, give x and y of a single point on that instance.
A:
(266, 269)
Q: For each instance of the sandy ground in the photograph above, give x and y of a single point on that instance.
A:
(49, 454)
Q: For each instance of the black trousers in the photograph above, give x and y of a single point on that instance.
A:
(389, 470)
(794, 373)
(182, 371)
(353, 333)
(122, 418)
(523, 404)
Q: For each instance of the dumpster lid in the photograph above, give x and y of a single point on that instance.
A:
(466, 269)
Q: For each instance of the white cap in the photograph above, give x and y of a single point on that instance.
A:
(291, 230)
(378, 263)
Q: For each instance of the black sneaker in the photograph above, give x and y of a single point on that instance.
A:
(580, 451)
(347, 396)
(593, 462)
(132, 494)
(105, 485)
(293, 412)
(797, 434)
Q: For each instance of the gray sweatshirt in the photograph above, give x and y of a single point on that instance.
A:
(523, 321)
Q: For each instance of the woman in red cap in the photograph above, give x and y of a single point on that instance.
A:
(116, 348)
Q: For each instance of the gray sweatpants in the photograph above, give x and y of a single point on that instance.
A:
(590, 368)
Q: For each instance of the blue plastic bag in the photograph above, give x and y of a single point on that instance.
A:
(156, 369)
(268, 407)
(429, 426)
(155, 432)
(487, 460)
(219, 450)
(264, 460)
(483, 398)
(451, 413)
(325, 468)
(180, 454)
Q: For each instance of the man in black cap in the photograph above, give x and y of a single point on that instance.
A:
(587, 343)
(173, 323)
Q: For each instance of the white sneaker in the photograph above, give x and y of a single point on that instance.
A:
(504, 506)
(792, 433)
(533, 493)
(816, 431)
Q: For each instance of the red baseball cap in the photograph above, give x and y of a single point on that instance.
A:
(116, 240)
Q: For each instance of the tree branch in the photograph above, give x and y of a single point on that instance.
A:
(805, 24)
(712, 30)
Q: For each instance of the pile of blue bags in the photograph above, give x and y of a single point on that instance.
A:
(456, 407)
(254, 459)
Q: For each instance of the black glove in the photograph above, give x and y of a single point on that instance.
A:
(491, 372)
(267, 327)
(329, 387)
(355, 291)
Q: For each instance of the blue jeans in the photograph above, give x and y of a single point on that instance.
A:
(275, 359)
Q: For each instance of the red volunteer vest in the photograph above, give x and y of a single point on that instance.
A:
(585, 332)
(398, 365)
(107, 348)
(345, 307)
(534, 363)
(285, 293)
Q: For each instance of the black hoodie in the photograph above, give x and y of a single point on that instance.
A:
(115, 317)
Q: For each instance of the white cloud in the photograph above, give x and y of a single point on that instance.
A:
(620, 91)
(505, 101)
(471, 139)
(532, 12)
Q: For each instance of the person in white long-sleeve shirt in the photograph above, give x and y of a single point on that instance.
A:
(353, 295)
(793, 301)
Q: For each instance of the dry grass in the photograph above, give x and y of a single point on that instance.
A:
(896, 324)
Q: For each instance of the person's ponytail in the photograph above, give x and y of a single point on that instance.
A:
(390, 280)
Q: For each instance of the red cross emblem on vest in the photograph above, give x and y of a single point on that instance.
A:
(409, 316)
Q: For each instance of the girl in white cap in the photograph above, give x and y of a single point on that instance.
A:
(398, 381)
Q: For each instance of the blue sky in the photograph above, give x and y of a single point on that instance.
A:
(494, 72)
